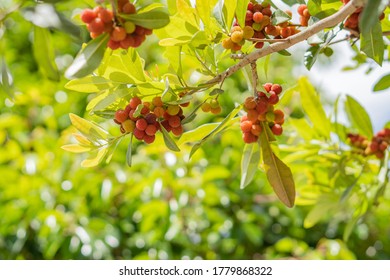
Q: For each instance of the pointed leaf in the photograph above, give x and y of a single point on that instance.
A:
(93, 161)
(151, 19)
(312, 106)
(310, 56)
(169, 142)
(241, 8)
(44, 53)
(370, 14)
(76, 148)
(372, 43)
(88, 59)
(358, 117)
(383, 83)
(90, 130)
(278, 174)
(279, 17)
(90, 84)
(249, 163)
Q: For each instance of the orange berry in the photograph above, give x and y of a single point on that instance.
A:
(301, 8)
(141, 124)
(118, 34)
(174, 121)
(227, 43)
(252, 115)
(237, 36)
(249, 138)
(159, 111)
(177, 131)
(96, 26)
(206, 107)
(88, 15)
(250, 103)
(216, 110)
(258, 17)
(277, 129)
(129, 8)
(134, 102)
(106, 15)
(256, 129)
(246, 126)
(151, 130)
(120, 116)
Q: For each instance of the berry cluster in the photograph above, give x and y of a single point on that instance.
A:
(304, 15)
(143, 119)
(123, 33)
(261, 109)
(377, 146)
(257, 26)
(212, 106)
(352, 22)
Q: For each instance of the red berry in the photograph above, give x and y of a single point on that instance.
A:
(88, 15)
(253, 115)
(106, 15)
(149, 139)
(177, 131)
(250, 103)
(134, 102)
(141, 124)
(127, 42)
(139, 134)
(151, 130)
(276, 88)
(256, 129)
(301, 8)
(174, 121)
(273, 98)
(121, 115)
(277, 129)
(151, 118)
(96, 26)
(248, 16)
(249, 138)
(129, 8)
(246, 126)
(258, 17)
(267, 87)
(118, 34)
(261, 107)
(279, 116)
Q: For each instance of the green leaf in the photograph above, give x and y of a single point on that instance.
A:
(311, 104)
(279, 17)
(197, 134)
(325, 205)
(216, 91)
(225, 123)
(90, 84)
(129, 154)
(88, 129)
(358, 117)
(151, 19)
(310, 56)
(383, 83)
(169, 142)
(88, 59)
(93, 161)
(371, 12)
(44, 53)
(111, 98)
(372, 43)
(229, 6)
(76, 148)
(204, 8)
(278, 174)
(249, 163)
(134, 65)
(241, 8)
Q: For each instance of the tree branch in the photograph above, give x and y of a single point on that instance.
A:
(327, 22)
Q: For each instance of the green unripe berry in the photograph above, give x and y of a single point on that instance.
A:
(129, 26)
(173, 110)
(270, 116)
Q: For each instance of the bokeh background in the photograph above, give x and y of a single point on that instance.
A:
(165, 206)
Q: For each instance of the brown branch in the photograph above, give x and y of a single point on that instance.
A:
(327, 22)
(255, 77)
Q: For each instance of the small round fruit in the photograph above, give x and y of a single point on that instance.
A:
(237, 36)
(121, 115)
(206, 107)
(129, 8)
(267, 87)
(149, 139)
(277, 129)
(214, 103)
(249, 138)
(252, 115)
(258, 17)
(151, 130)
(128, 126)
(159, 111)
(270, 116)
(134, 102)
(157, 101)
(87, 15)
(129, 27)
(174, 121)
(216, 110)
(256, 129)
(96, 26)
(173, 110)
(177, 131)
(250, 103)
(301, 8)
(279, 116)
(246, 126)
(141, 124)
(277, 88)
(139, 134)
(248, 32)
(227, 43)
(118, 34)
(273, 98)
(106, 15)
(113, 45)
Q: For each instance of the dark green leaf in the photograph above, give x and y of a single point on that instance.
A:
(284, 53)
(371, 12)
(44, 53)
(216, 91)
(278, 174)
(88, 59)
(372, 43)
(358, 117)
(310, 56)
(249, 163)
(169, 142)
(383, 83)
(152, 19)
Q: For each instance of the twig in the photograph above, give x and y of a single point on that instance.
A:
(255, 77)
(327, 22)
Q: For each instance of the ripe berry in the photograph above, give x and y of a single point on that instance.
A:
(128, 126)
(129, 8)
(141, 124)
(151, 118)
(159, 112)
(252, 115)
(249, 15)
(267, 87)
(277, 129)
(374, 146)
(96, 26)
(118, 34)
(177, 131)
(285, 32)
(127, 42)
(279, 116)
(267, 12)
(157, 101)
(149, 139)
(216, 110)
(106, 15)
(121, 115)
(139, 134)
(301, 8)
(248, 32)
(237, 36)
(273, 98)
(249, 138)
(256, 129)
(174, 121)
(227, 43)
(151, 130)
(276, 88)
(250, 103)
(246, 126)
(258, 17)
(113, 45)
(134, 102)
(261, 107)
(88, 15)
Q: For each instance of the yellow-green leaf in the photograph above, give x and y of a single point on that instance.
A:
(90, 84)
(93, 161)
(76, 148)
(88, 129)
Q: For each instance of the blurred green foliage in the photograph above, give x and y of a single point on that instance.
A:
(164, 206)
